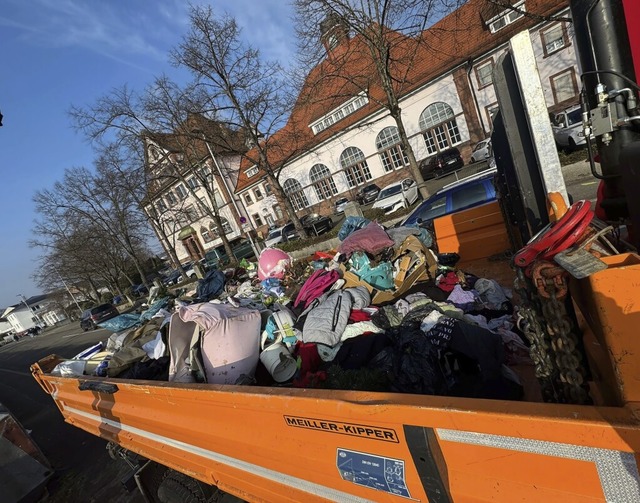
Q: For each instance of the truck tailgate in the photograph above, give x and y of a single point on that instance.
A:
(282, 444)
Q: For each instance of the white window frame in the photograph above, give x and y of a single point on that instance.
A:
(247, 198)
(506, 17)
(545, 42)
(257, 192)
(339, 113)
(181, 192)
(481, 82)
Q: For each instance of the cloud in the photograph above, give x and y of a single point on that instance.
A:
(120, 30)
(266, 25)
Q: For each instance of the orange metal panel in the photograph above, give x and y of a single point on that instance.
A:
(512, 473)
(277, 444)
(610, 303)
(475, 233)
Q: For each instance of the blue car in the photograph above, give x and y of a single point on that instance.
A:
(461, 195)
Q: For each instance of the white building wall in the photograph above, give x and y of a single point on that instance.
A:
(556, 62)
(21, 319)
(364, 138)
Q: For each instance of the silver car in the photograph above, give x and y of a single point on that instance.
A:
(481, 151)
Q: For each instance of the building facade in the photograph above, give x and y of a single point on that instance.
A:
(448, 101)
(190, 177)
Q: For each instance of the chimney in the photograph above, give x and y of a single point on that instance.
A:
(333, 31)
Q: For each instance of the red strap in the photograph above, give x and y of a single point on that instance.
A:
(571, 239)
(557, 233)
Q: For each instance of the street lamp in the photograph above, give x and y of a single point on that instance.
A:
(68, 290)
(231, 193)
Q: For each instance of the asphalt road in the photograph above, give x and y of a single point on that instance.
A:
(84, 472)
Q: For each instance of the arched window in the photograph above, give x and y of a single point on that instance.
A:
(322, 181)
(390, 149)
(355, 167)
(206, 235)
(296, 195)
(226, 227)
(439, 127)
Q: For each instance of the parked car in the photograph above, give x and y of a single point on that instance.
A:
(442, 163)
(340, 204)
(397, 195)
(218, 257)
(316, 224)
(91, 317)
(368, 193)
(34, 330)
(172, 278)
(567, 128)
(481, 151)
(189, 270)
(138, 290)
(289, 232)
(275, 237)
(461, 195)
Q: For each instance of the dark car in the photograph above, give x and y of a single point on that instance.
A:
(368, 193)
(91, 317)
(441, 164)
(218, 256)
(289, 232)
(461, 195)
(173, 277)
(316, 224)
(138, 290)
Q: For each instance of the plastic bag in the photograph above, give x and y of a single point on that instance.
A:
(350, 225)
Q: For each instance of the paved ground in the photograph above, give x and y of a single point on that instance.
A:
(83, 470)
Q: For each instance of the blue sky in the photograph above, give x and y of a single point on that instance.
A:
(55, 53)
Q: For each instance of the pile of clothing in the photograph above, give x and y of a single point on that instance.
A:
(381, 313)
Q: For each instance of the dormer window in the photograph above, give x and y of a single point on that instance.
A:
(506, 17)
(252, 172)
(339, 113)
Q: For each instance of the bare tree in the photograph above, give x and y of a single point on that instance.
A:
(247, 93)
(159, 116)
(386, 42)
(95, 201)
(76, 252)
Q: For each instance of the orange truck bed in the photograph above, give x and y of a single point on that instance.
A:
(280, 444)
(283, 444)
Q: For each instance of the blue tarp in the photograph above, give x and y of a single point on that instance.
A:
(129, 320)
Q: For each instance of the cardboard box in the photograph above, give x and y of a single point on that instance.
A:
(422, 266)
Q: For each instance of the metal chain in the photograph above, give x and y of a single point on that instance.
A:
(566, 346)
(555, 344)
(539, 350)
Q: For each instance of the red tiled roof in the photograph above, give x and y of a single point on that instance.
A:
(457, 38)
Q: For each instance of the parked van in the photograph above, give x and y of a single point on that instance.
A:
(567, 128)
(218, 256)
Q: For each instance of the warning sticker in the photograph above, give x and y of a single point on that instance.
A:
(356, 430)
(376, 472)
